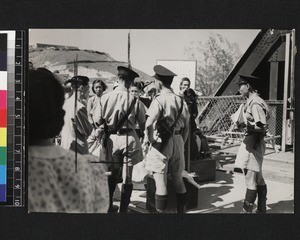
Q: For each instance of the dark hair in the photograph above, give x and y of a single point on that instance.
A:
(165, 80)
(125, 78)
(46, 98)
(185, 79)
(189, 96)
(138, 85)
(78, 81)
(103, 85)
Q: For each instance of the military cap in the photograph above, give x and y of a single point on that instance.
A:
(127, 72)
(80, 80)
(246, 79)
(163, 74)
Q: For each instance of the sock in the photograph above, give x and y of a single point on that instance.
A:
(181, 202)
(250, 196)
(161, 202)
(125, 197)
(112, 183)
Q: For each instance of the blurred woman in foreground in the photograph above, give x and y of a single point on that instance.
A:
(53, 185)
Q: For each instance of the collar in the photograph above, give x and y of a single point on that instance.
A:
(46, 152)
(121, 89)
(253, 96)
(166, 90)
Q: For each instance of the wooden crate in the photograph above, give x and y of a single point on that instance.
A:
(205, 169)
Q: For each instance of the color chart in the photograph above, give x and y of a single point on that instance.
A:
(12, 118)
(3, 116)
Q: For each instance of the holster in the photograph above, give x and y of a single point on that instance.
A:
(164, 132)
(258, 137)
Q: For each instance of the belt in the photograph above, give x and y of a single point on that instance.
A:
(177, 132)
(121, 131)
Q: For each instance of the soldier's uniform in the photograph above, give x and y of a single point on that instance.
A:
(77, 126)
(123, 147)
(251, 152)
(165, 107)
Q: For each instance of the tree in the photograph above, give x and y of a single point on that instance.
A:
(215, 59)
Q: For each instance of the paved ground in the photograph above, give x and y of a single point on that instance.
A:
(226, 193)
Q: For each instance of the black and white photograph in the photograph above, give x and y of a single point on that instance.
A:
(161, 121)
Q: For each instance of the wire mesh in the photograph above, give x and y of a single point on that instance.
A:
(215, 112)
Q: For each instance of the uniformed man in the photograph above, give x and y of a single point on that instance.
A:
(166, 109)
(122, 144)
(77, 127)
(251, 152)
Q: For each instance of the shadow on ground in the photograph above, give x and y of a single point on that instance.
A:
(208, 196)
(281, 207)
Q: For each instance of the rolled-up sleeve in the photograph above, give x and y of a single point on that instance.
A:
(258, 114)
(153, 112)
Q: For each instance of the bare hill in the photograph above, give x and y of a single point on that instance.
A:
(92, 64)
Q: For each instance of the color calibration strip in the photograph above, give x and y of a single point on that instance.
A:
(14, 134)
(3, 116)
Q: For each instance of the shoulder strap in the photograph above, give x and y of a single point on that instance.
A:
(122, 120)
(178, 115)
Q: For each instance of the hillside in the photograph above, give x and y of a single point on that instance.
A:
(92, 64)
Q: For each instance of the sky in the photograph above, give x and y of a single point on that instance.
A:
(147, 45)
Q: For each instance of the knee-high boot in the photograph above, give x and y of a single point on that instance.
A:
(261, 199)
(161, 202)
(181, 202)
(112, 183)
(249, 201)
(125, 197)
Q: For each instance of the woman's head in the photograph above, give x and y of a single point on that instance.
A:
(46, 98)
(98, 87)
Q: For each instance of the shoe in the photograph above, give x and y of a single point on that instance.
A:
(261, 199)
(247, 207)
(113, 209)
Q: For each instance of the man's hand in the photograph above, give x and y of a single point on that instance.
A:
(99, 131)
(145, 147)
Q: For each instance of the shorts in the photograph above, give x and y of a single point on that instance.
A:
(248, 157)
(116, 150)
(174, 153)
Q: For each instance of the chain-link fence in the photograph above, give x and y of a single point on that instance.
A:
(215, 112)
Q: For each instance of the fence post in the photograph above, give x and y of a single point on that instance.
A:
(285, 91)
(292, 86)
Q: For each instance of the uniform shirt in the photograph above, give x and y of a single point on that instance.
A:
(53, 185)
(83, 126)
(256, 111)
(114, 105)
(165, 106)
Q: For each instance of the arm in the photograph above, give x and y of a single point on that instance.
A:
(186, 128)
(89, 110)
(259, 117)
(141, 115)
(152, 114)
(82, 123)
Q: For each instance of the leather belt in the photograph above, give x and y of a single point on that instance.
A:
(121, 131)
